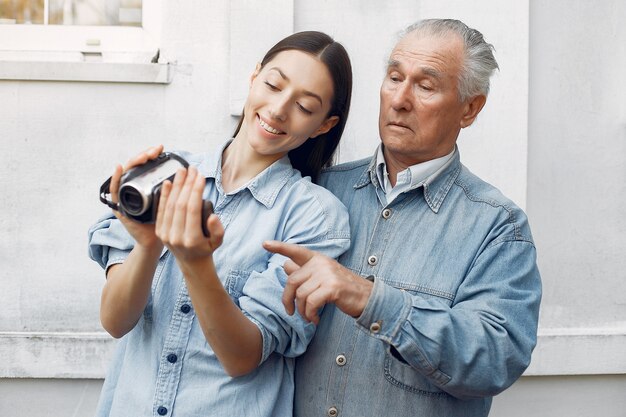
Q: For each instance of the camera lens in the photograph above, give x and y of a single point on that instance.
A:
(132, 201)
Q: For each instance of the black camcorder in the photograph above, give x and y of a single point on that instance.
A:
(140, 189)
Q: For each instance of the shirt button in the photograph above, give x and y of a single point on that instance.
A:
(172, 358)
(185, 308)
(372, 260)
(340, 360)
(375, 327)
(386, 213)
(333, 412)
(162, 411)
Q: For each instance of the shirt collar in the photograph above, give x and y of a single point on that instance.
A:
(436, 185)
(381, 168)
(264, 187)
(416, 174)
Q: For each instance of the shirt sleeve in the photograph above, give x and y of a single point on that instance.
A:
(482, 343)
(318, 224)
(108, 241)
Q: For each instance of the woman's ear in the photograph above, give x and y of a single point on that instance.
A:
(326, 126)
(256, 72)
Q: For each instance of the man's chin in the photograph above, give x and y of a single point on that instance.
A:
(395, 141)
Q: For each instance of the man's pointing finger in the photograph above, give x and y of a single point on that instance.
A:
(294, 252)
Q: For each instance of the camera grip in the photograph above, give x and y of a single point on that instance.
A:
(207, 209)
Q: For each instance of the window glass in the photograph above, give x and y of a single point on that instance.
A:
(72, 12)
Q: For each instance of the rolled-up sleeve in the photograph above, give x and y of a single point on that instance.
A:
(318, 222)
(108, 242)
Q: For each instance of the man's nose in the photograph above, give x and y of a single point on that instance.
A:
(402, 97)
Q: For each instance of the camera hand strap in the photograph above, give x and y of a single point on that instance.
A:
(105, 195)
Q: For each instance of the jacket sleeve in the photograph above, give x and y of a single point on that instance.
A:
(480, 344)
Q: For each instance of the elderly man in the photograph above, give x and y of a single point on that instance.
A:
(434, 308)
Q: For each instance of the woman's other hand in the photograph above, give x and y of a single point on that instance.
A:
(179, 216)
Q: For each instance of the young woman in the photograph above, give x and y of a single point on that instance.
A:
(203, 328)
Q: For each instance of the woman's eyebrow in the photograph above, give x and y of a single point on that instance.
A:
(305, 92)
(282, 74)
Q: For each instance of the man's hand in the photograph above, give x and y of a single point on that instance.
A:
(315, 280)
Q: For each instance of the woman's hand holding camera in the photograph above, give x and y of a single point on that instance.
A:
(143, 233)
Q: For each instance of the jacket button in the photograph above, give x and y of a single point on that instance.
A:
(386, 213)
(185, 308)
(372, 260)
(162, 411)
(172, 358)
(340, 360)
(333, 412)
(375, 327)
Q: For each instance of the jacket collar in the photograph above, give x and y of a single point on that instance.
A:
(436, 187)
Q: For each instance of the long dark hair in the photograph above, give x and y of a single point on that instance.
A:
(317, 153)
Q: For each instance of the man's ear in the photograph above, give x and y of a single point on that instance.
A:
(256, 72)
(326, 126)
(473, 106)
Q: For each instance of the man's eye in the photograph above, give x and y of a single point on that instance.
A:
(304, 109)
(426, 87)
(271, 86)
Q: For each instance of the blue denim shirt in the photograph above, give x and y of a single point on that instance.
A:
(452, 318)
(164, 366)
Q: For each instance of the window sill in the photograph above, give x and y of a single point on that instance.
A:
(151, 73)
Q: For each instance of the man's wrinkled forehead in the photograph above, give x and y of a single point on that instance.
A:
(436, 49)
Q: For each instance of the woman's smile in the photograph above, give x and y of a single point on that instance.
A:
(267, 127)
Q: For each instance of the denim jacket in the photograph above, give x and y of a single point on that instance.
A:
(164, 366)
(452, 318)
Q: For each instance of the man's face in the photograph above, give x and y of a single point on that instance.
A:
(420, 112)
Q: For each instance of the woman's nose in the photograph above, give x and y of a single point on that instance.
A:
(278, 110)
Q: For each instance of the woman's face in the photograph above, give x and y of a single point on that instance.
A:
(287, 104)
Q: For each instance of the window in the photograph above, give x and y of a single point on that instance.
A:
(71, 12)
(63, 39)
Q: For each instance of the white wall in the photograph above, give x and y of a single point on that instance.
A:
(553, 133)
(577, 142)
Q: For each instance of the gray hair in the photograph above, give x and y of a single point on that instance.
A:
(479, 63)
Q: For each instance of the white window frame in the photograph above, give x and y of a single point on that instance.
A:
(85, 53)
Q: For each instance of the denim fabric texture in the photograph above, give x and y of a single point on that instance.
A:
(164, 366)
(452, 319)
